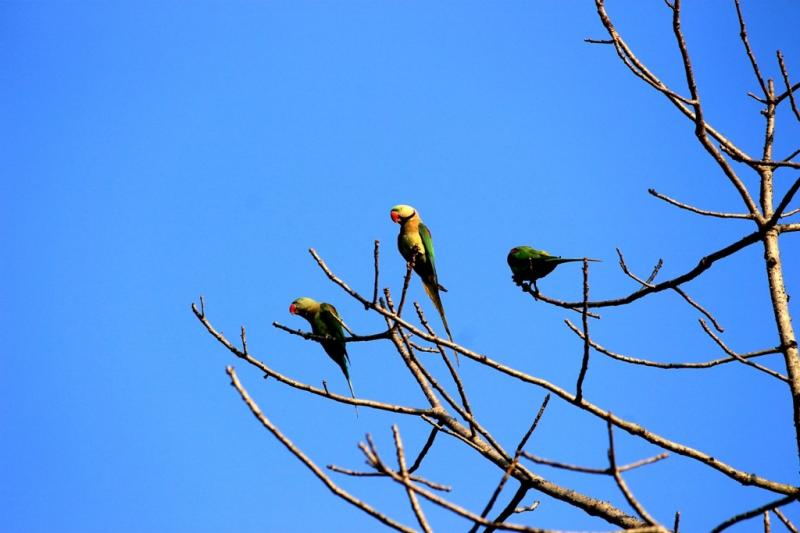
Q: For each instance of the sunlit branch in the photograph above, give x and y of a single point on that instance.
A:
(338, 491)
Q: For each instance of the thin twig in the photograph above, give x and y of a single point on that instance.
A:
(585, 321)
(647, 284)
(612, 462)
(697, 210)
(424, 451)
(512, 465)
(589, 470)
(376, 256)
(738, 357)
(374, 460)
(750, 55)
(753, 513)
(418, 479)
(531, 507)
(412, 497)
(406, 280)
(338, 491)
(786, 82)
(791, 527)
(244, 341)
(657, 364)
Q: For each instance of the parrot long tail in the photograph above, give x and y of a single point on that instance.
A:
(433, 294)
(574, 259)
(349, 384)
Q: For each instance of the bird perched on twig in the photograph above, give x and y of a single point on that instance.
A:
(326, 322)
(414, 235)
(530, 264)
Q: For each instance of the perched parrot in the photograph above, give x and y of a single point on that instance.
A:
(415, 234)
(530, 264)
(325, 320)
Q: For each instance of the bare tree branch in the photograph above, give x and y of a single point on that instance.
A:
(788, 85)
(753, 513)
(333, 487)
(657, 364)
(612, 464)
(717, 214)
(791, 527)
(587, 470)
(412, 497)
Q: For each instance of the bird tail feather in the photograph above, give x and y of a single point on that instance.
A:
(433, 294)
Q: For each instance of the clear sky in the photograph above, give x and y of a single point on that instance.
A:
(157, 151)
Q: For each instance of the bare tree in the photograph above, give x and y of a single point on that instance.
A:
(448, 410)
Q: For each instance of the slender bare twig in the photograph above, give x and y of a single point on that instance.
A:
(421, 348)
(585, 322)
(512, 465)
(302, 386)
(374, 460)
(407, 280)
(657, 364)
(511, 508)
(697, 210)
(745, 478)
(376, 257)
(333, 487)
(739, 357)
(767, 526)
(753, 513)
(612, 463)
(453, 372)
(418, 479)
(702, 265)
(313, 337)
(527, 287)
(647, 283)
(782, 517)
(531, 507)
(424, 451)
(750, 55)
(589, 470)
(788, 85)
(677, 524)
(412, 497)
(244, 341)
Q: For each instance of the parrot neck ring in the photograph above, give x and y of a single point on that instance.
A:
(403, 220)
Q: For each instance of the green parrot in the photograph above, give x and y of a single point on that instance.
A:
(325, 320)
(530, 264)
(415, 234)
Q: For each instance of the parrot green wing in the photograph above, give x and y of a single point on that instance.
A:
(427, 243)
(330, 320)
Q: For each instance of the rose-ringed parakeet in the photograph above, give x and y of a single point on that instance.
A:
(416, 235)
(530, 264)
(325, 321)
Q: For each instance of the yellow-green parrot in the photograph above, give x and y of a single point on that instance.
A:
(415, 234)
(325, 321)
(530, 264)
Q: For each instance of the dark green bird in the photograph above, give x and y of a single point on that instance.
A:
(325, 321)
(530, 264)
(416, 235)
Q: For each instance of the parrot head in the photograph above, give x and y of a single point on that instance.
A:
(301, 306)
(401, 213)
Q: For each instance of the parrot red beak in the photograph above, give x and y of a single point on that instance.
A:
(395, 217)
(293, 309)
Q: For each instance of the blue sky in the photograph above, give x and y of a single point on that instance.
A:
(157, 151)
